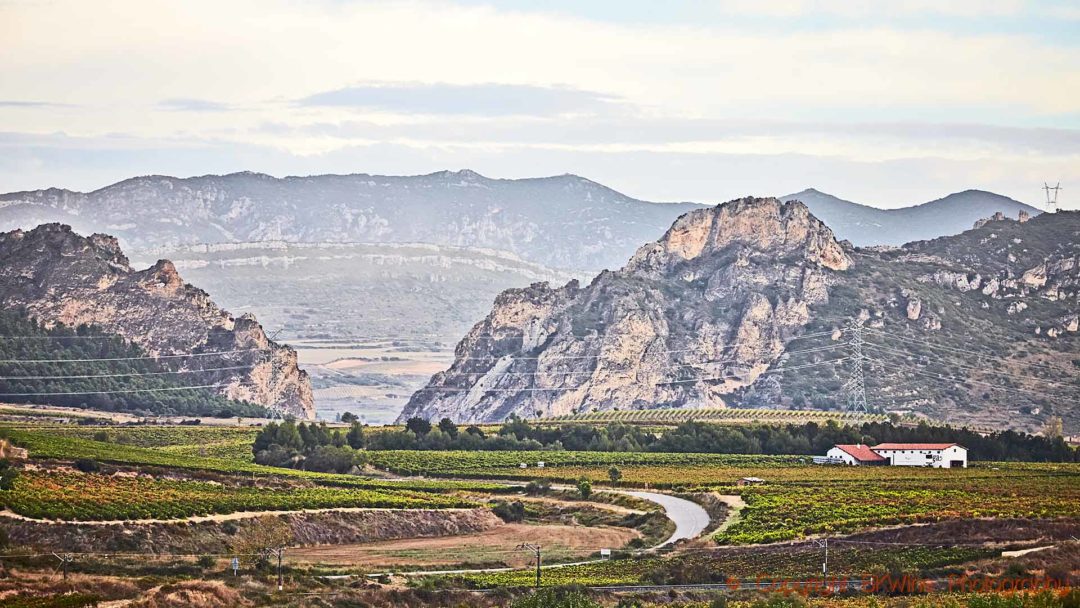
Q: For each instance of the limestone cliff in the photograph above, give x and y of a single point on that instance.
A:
(691, 318)
(58, 276)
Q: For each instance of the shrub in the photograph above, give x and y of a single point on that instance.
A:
(509, 511)
(87, 465)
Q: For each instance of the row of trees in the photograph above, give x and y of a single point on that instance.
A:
(316, 447)
(809, 438)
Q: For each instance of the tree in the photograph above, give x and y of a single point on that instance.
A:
(614, 474)
(266, 538)
(1053, 428)
(584, 487)
(262, 536)
(447, 426)
(355, 436)
(418, 426)
(349, 418)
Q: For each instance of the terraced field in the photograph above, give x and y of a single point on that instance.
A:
(676, 416)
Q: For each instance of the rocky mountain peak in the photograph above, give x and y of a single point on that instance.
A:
(755, 224)
(692, 317)
(58, 276)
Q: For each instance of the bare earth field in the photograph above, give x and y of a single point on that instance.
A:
(490, 546)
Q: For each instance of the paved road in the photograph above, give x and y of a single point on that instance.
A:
(690, 519)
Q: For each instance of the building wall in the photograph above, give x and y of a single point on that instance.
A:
(842, 455)
(941, 459)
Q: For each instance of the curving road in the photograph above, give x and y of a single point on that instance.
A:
(689, 517)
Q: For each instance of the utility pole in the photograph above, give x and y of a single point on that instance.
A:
(65, 559)
(855, 387)
(278, 551)
(535, 549)
(825, 563)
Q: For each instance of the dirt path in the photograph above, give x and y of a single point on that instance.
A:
(736, 504)
(491, 546)
(1021, 552)
(217, 517)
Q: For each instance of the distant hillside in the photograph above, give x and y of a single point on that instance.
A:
(565, 222)
(864, 225)
(561, 222)
(354, 291)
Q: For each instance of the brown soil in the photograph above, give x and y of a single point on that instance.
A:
(497, 545)
(216, 536)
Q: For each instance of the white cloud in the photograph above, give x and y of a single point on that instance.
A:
(432, 82)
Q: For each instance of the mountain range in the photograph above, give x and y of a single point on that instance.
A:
(565, 222)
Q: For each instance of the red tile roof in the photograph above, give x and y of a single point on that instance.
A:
(861, 452)
(914, 446)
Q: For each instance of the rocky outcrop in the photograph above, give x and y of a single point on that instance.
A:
(60, 277)
(691, 318)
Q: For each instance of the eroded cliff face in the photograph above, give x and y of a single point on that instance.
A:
(58, 276)
(691, 318)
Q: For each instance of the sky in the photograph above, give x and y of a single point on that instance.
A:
(886, 104)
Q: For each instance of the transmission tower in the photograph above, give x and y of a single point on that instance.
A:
(855, 387)
(1051, 200)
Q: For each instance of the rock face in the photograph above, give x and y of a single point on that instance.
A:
(58, 276)
(978, 328)
(691, 318)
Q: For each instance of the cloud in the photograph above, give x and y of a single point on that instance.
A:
(10, 103)
(474, 99)
(185, 104)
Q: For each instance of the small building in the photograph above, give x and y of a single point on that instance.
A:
(856, 454)
(938, 455)
(750, 481)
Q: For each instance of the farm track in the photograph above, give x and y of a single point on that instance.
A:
(217, 517)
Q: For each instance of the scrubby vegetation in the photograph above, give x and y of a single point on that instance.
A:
(125, 381)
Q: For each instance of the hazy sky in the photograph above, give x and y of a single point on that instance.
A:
(882, 103)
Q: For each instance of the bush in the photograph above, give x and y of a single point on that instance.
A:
(538, 486)
(87, 465)
(509, 512)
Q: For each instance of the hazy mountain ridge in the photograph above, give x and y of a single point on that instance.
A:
(563, 221)
(58, 276)
(864, 225)
(695, 319)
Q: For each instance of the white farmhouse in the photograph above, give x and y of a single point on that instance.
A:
(856, 454)
(939, 455)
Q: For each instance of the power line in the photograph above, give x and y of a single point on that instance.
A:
(884, 349)
(775, 371)
(121, 391)
(124, 375)
(963, 351)
(178, 356)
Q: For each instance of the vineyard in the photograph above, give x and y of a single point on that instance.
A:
(48, 443)
(559, 465)
(786, 512)
(676, 416)
(794, 563)
(71, 496)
